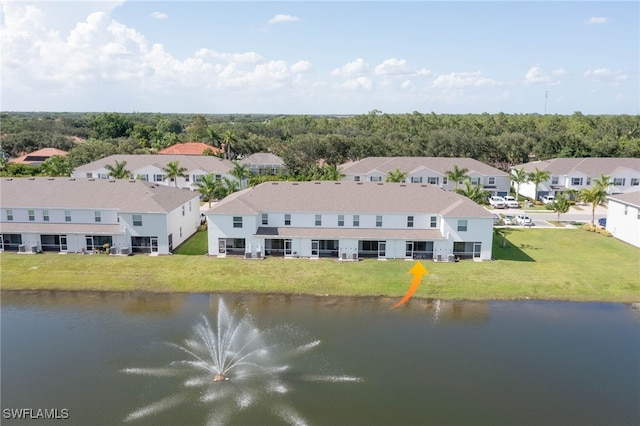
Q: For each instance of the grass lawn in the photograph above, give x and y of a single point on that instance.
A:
(551, 264)
(197, 244)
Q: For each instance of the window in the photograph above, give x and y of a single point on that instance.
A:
(635, 181)
(287, 219)
(491, 180)
(626, 210)
(143, 177)
(186, 178)
(189, 206)
(378, 221)
(158, 178)
(444, 180)
(45, 215)
(340, 220)
(9, 214)
(589, 180)
(375, 178)
(182, 210)
(576, 181)
(618, 181)
(89, 175)
(181, 232)
(103, 176)
(137, 220)
(67, 215)
(318, 220)
(475, 181)
(356, 178)
(433, 180)
(555, 180)
(237, 221)
(32, 215)
(356, 220)
(416, 179)
(409, 221)
(462, 225)
(265, 218)
(97, 216)
(434, 222)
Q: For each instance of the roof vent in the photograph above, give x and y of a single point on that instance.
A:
(132, 181)
(403, 185)
(380, 183)
(423, 185)
(92, 179)
(32, 178)
(72, 178)
(337, 183)
(274, 183)
(317, 183)
(112, 180)
(50, 178)
(359, 183)
(294, 183)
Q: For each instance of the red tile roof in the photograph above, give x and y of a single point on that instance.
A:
(189, 148)
(39, 156)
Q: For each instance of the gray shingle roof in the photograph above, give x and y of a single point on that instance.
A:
(591, 166)
(348, 197)
(206, 163)
(412, 164)
(630, 198)
(71, 193)
(262, 158)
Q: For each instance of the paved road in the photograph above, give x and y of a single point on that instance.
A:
(540, 218)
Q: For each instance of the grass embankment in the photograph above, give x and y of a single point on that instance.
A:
(537, 263)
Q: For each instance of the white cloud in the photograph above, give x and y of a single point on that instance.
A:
(392, 66)
(358, 83)
(278, 19)
(535, 75)
(357, 67)
(463, 79)
(607, 75)
(159, 15)
(597, 20)
(301, 67)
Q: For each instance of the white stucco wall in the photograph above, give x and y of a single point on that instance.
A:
(625, 227)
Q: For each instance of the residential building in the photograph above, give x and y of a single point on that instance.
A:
(427, 170)
(264, 163)
(190, 148)
(350, 220)
(579, 173)
(149, 167)
(623, 217)
(38, 157)
(82, 215)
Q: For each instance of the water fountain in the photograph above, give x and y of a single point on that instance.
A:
(233, 366)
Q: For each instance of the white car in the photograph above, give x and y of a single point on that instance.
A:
(511, 202)
(508, 220)
(546, 199)
(497, 202)
(523, 220)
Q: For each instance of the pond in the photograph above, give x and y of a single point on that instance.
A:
(110, 358)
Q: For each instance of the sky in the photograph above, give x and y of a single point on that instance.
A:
(329, 57)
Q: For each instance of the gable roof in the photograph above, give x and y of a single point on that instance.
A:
(630, 198)
(411, 164)
(348, 197)
(38, 156)
(71, 193)
(207, 163)
(262, 158)
(590, 166)
(189, 148)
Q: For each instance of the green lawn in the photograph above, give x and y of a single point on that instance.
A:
(196, 245)
(552, 264)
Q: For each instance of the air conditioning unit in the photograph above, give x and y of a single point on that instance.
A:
(34, 249)
(354, 256)
(439, 257)
(125, 250)
(344, 256)
(22, 248)
(451, 258)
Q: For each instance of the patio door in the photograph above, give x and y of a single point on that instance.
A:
(287, 247)
(409, 249)
(314, 248)
(477, 250)
(222, 245)
(154, 244)
(63, 243)
(382, 249)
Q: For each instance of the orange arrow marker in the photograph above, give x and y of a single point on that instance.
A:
(418, 270)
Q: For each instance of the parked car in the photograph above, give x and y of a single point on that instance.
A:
(509, 220)
(511, 202)
(523, 220)
(497, 202)
(602, 222)
(546, 199)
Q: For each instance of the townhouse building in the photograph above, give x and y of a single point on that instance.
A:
(427, 170)
(623, 217)
(74, 215)
(264, 163)
(348, 221)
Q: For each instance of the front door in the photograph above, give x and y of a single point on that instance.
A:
(154, 244)
(477, 250)
(382, 249)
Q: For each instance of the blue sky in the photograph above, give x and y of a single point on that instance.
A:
(321, 57)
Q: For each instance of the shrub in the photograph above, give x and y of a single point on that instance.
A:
(591, 228)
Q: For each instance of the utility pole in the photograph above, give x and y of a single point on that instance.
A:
(546, 95)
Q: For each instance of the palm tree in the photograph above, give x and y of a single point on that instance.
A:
(475, 193)
(560, 205)
(207, 187)
(213, 137)
(519, 176)
(242, 173)
(118, 170)
(537, 177)
(396, 176)
(228, 139)
(457, 175)
(174, 171)
(56, 165)
(331, 172)
(224, 187)
(595, 195)
(603, 182)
